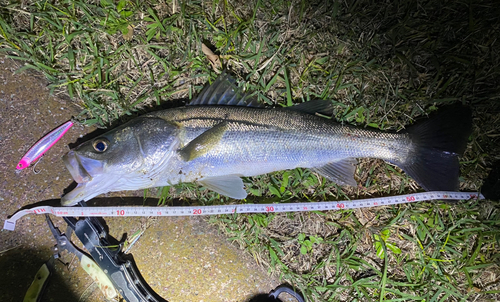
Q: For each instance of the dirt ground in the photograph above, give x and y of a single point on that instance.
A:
(182, 259)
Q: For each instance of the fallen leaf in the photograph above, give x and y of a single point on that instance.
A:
(130, 33)
(213, 58)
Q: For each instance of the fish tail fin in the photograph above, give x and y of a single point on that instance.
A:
(438, 142)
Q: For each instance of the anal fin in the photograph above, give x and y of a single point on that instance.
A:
(341, 172)
(228, 185)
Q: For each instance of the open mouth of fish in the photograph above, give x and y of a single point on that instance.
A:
(82, 169)
(88, 173)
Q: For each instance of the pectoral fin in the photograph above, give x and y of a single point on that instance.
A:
(340, 172)
(203, 143)
(228, 185)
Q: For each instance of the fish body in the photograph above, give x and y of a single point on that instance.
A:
(219, 139)
(259, 141)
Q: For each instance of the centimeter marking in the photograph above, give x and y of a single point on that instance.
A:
(121, 211)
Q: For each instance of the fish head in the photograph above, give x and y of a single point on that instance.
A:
(121, 159)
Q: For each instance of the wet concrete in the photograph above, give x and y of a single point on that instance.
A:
(182, 259)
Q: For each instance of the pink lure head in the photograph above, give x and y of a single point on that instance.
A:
(23, 164)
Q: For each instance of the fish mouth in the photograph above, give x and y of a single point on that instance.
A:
(87, 173)
(82, 169)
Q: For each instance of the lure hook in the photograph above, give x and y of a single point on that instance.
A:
(36, 163)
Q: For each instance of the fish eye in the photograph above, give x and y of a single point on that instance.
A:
(100, 145)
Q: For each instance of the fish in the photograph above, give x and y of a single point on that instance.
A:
(224, 134)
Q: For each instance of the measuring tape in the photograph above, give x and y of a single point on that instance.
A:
(119, 211)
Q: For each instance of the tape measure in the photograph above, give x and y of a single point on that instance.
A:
(120, 211)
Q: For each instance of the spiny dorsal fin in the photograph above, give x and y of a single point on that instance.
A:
(225, 92)
(204, 142)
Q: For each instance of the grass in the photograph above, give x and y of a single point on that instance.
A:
(430, 251)
(382, 64)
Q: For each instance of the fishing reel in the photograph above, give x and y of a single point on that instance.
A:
(274, 295)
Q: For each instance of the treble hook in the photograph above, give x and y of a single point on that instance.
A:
(77, 121)
(34, 166)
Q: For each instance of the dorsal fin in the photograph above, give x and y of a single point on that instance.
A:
(225, 92)
(312, 107)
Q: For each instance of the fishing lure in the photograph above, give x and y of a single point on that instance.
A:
(43, 145)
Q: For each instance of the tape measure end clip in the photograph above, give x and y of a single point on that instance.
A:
(9, 225)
